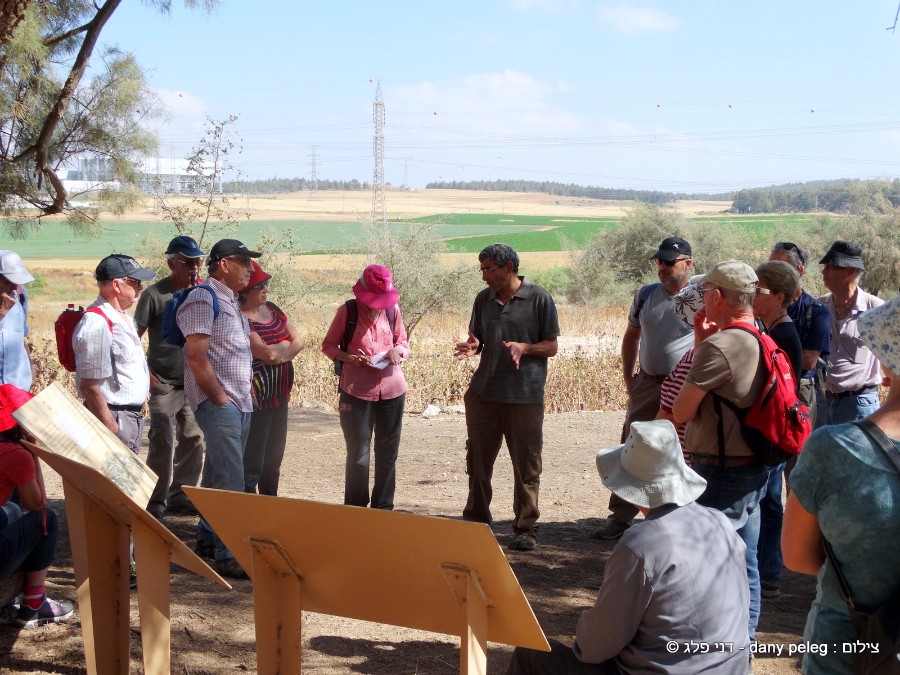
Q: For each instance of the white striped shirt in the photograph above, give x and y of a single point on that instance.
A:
(95, 347)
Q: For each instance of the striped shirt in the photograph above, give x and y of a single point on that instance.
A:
(229, 344)
(669, 390)
(128, 383)
(272, 382)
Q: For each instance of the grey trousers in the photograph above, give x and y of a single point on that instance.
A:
(176, 456)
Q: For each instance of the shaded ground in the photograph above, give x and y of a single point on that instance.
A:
(213, 630)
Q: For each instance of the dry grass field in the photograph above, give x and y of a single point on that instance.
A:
(339, 205)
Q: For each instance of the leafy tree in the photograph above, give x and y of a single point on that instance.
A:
(52, 112)
(208, 212)
(618, 260)
(412, 251)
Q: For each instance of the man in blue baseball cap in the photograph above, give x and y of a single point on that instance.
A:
(178, 464)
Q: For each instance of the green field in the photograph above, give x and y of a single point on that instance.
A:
(464, 233)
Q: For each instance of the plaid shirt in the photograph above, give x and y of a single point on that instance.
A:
(229, 344)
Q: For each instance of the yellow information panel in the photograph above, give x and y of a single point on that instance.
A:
(422, 572)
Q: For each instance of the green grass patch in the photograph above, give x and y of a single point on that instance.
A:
(463, 232)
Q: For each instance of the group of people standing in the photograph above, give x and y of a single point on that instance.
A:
(844, 489)
(711, 508)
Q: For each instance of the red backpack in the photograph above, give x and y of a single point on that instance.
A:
(777, 424)
(65, 328)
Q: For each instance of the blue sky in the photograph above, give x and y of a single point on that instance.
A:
(682, 95)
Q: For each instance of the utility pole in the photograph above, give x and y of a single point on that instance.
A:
(313, 180)
(379, 209)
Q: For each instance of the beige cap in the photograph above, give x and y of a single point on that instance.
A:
(733, 275)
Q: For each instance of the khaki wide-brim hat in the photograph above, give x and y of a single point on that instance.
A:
(648, 469)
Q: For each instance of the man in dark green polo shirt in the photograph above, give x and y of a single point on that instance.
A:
(514, 327)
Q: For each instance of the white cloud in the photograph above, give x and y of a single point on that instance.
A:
(631, 19)
(182, 104)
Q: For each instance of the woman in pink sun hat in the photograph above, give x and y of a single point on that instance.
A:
(372, 386)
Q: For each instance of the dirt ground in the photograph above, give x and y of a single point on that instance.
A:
(213, 629)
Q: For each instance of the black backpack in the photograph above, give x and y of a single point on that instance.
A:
(350, 328)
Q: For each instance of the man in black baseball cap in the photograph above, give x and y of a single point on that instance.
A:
(225, 248)
(110, 369)
(119, 266)
(655, 339)
(671, 249)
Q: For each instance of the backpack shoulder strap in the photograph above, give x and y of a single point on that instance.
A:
(392, 319)
(880, 439)
(350, 325)
(643, 294)
(212, 292)
(97, 310)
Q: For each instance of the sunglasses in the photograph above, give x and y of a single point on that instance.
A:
(669, 263)
(135, 283)
(243, 260)
(261, 285)
(703, 290)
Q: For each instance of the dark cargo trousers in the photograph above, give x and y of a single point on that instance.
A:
(488, 424)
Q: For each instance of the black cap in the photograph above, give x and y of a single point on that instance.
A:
(844, 254)
(118, 266)
(226, 247)
(186, 246)
(671, 248)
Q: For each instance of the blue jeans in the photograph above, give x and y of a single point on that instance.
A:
(736, 492)
(225, 429)
(771, 514)
(848, 408)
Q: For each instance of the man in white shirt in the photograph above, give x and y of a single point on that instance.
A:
(110, 369)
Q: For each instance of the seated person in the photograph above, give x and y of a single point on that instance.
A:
(27, 539)
(674, 580)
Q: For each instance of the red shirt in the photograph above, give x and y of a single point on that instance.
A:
(16, 468)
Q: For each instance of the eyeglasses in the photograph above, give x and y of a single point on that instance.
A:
(190, 262)
(244, 260)
(485, 270)
(669, 263)
(135, 283)
(703, 290)
(261, 285)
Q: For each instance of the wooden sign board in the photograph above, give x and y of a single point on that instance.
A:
(101, 516)
(422, 572)
(65, 427)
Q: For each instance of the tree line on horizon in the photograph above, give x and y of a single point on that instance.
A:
(841, 196)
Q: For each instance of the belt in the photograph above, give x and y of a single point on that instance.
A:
(656, 378)
(124, 408)
(715, 460)
(857, 392)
